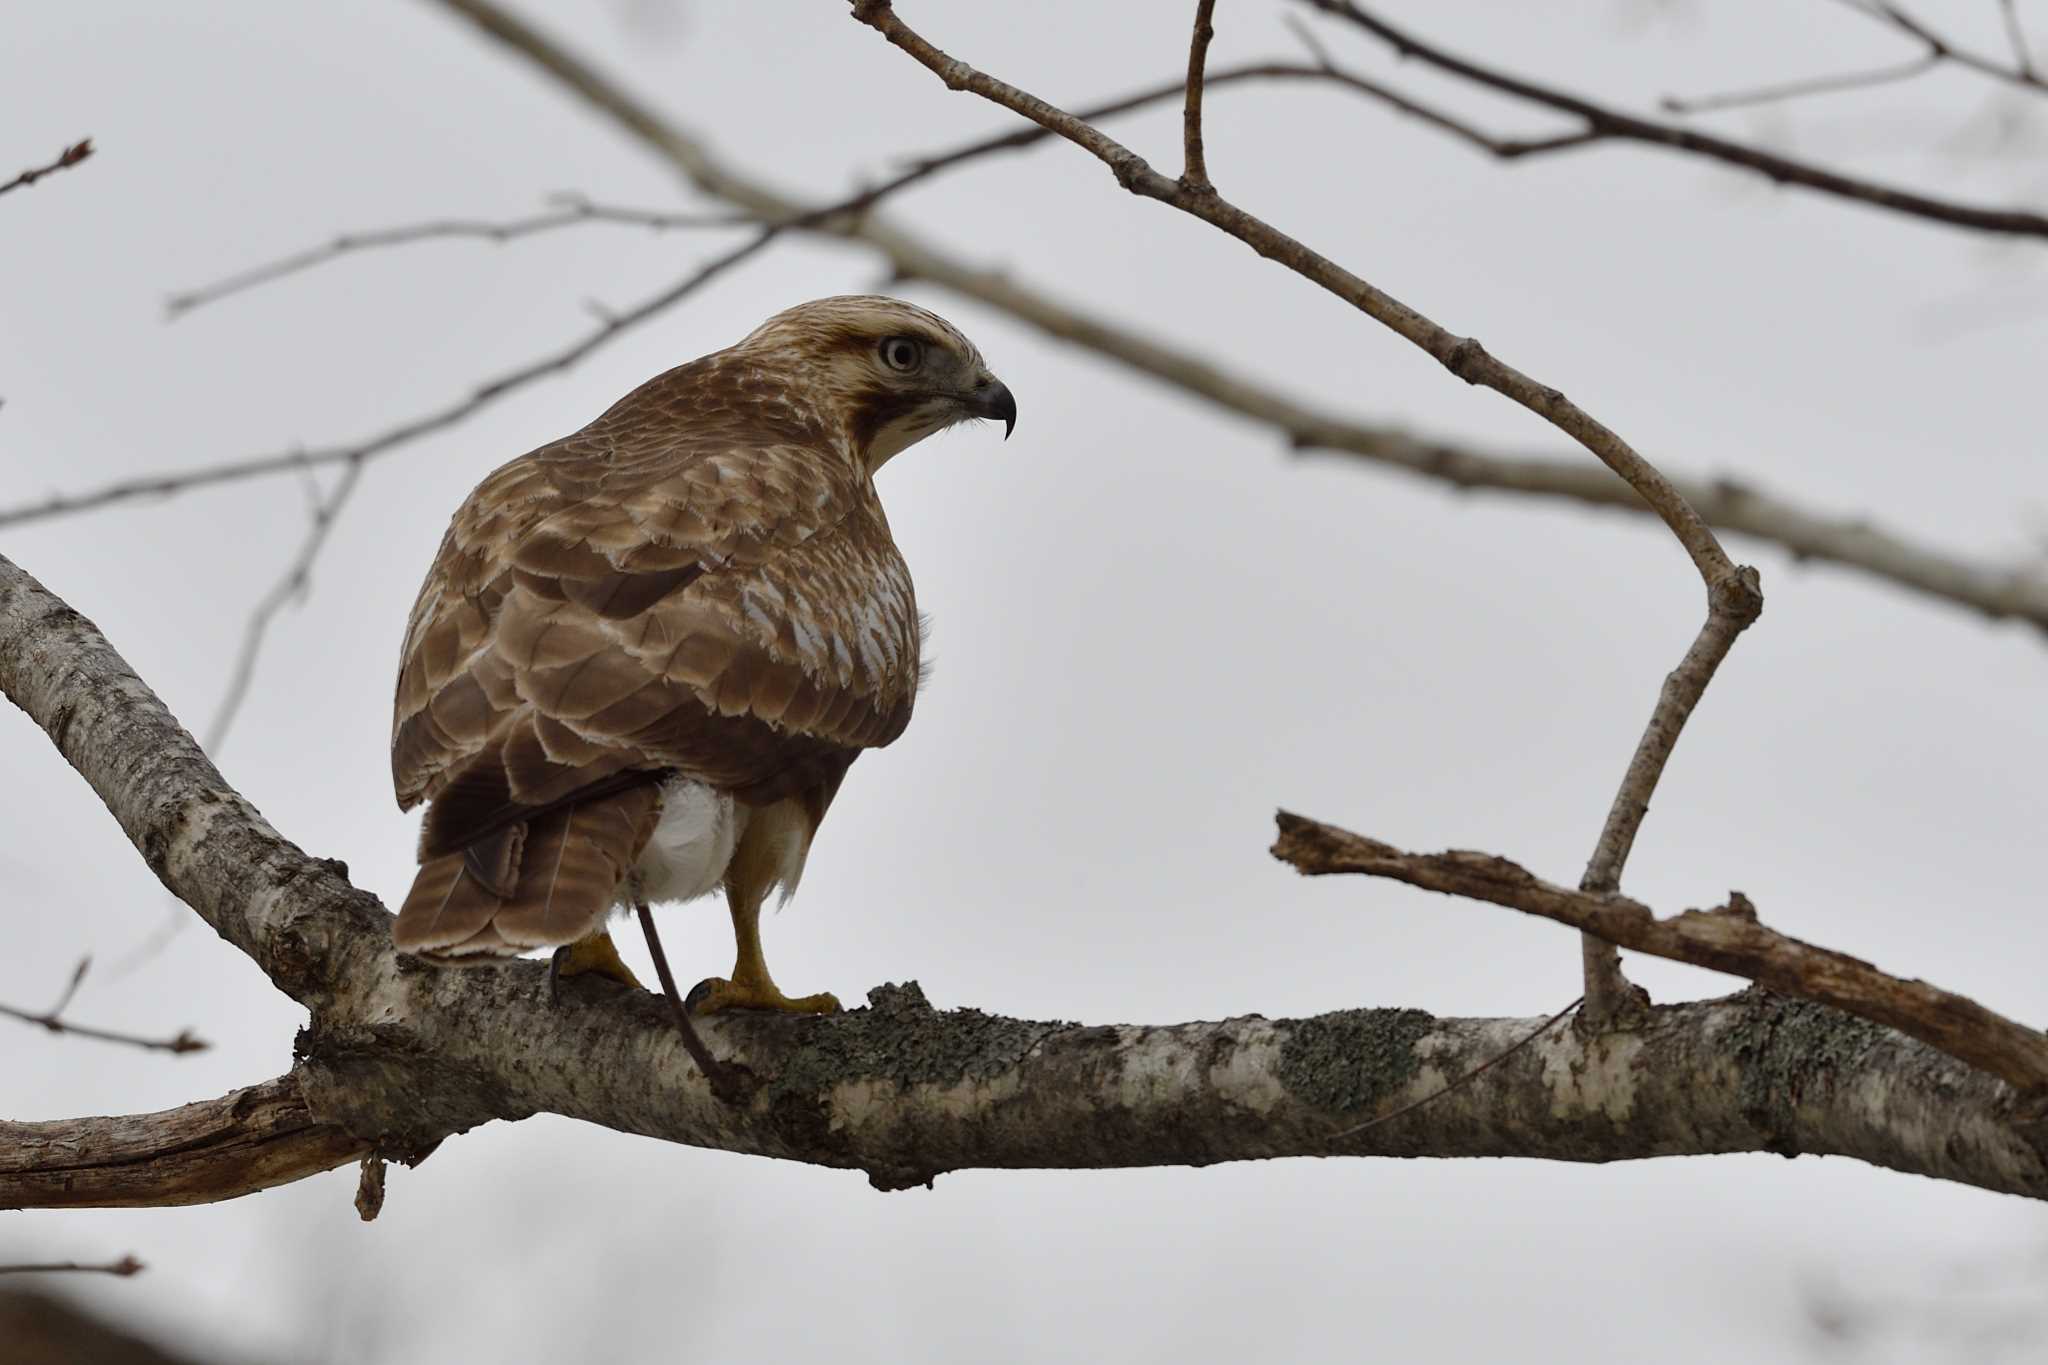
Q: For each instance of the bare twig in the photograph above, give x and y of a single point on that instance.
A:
(124, 1267)
(1727, 938)
(52, 1019)
(1734, 596)
(70, 156)
(1602, 123)
(292, 585)
(1466, 1079)
(2017, 36)
(1194, 174)
(575, 211)
(165, 485)
(1792, 90)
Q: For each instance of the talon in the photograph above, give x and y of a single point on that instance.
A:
(596, 955)
(716, 995)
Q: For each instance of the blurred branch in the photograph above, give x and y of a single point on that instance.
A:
(2017, 37)
(399, 1055)
(292, 585)
(1728, 503)
(1603, 123)
(52, 1019)
(124, 1267)
(1894, 16)
(609, 327)
(70, 156)
(574, 212)
(1727, 938)
(1792, 90)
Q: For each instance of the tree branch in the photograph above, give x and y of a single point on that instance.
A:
(52, 1019)
(1194, 174)
(166, 485)
(399, 1055)
(1727, 938)
(1801, 89)
(70, 156)
(574, 212)
(123, 1268)
(1611, 124)
(245, 1141)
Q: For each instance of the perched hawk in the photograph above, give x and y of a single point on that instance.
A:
(646, 654)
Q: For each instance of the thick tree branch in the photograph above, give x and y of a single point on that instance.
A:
(399, 1055)
(1727, 938)
(1604, 123)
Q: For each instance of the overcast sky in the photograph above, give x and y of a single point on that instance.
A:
(1152, 627)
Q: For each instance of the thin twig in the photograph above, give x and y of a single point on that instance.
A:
(52, 1019)
(575, 212)
(1727, 938)
(1792, 90)
(124, 1267)
(292, 585)
(1603, 123)
(2017, 36)
(1195, 166)
(1496, 1059)
(165, 485)
(70, 156)
(1894, 16)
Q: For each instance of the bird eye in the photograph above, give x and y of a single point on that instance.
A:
(902, 354)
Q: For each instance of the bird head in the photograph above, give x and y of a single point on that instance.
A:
(891, 373)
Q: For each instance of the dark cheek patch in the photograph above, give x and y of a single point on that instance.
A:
(877, 410)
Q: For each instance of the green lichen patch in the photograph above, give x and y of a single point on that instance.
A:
(1788, 1047)
(901, 1038)
(1352, 1059)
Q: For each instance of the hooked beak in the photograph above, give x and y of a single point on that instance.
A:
(992, 398)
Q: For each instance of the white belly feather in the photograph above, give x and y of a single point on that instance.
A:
(694, 839)
(692, 842)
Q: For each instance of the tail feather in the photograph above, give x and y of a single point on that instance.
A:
(561, 870)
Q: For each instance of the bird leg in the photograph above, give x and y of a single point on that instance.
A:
(594, 954)
(750, 987)
(730, 1081)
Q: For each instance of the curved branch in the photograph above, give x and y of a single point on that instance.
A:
(1727, 938)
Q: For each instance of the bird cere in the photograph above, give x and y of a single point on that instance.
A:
(646, 654)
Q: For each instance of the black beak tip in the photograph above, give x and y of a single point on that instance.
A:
(998, 402)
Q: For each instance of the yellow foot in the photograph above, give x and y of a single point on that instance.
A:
(596, 955)
(717, 994)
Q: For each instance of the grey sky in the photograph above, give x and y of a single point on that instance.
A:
(1152, 626)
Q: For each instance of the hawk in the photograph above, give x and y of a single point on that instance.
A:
(646, 654)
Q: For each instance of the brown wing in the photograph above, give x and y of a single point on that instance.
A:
(693, 583)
